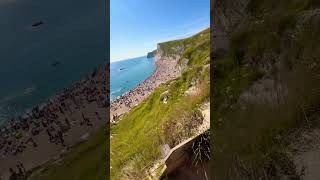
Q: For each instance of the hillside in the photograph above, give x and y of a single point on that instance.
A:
(168, 116)
(266, 88)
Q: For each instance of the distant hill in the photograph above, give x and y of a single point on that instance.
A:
(151, 54)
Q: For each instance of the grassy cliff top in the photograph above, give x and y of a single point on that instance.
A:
(176, 47)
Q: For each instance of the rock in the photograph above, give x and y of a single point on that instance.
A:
(165, 97)
(165, 149)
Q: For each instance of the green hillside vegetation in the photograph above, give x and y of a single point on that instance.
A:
(251, 141)
(85, 161)
(172, 48)
(151, 54)
(137, 138)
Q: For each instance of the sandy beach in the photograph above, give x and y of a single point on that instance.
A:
(46, 132)
(166, 70)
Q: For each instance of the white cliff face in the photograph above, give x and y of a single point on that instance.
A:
(161, 55)
(229, 14)
(171, 50)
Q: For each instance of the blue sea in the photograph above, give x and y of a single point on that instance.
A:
(126, 75)
(37, 62)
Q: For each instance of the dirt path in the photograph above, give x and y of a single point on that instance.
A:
(205, 109)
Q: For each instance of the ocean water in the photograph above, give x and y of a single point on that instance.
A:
(74, 35)
(126, 75)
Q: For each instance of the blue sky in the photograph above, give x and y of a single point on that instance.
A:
(138, 25)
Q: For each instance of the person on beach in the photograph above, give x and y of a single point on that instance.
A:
(13, 175)
(21, 173)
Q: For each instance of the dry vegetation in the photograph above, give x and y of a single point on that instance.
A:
(251, 140)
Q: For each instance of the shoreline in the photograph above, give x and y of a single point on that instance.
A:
(46, 101)
(166, 69)
(154, 70)
(54, 126)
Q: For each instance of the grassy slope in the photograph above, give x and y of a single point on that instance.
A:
(253, 141)
(85, 161)
(136, 140)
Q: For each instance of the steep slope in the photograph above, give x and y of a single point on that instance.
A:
(168, 116)
(266, 85)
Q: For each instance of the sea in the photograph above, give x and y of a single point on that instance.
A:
(128, 74)
(36, 62)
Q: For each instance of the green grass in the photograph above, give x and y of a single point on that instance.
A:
(170, 48)
(263, 7)
(137, 138)
(253, 142)
(231, 80)
(85, 161)
(258, 134)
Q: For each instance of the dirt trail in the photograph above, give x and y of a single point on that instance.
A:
(205, 109)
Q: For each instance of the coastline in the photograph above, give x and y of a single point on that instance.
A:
(127, 74)
(52, 128)
(166, 69)
(49, 99)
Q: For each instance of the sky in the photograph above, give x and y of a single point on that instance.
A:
(136, 26)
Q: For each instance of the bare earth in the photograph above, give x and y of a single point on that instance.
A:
(307, 155)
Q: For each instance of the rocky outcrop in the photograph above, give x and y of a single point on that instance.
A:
(168, 52)
(170, 49)
(226, 15)
(180, 50)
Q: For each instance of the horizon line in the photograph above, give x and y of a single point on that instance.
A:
(173, 39)
(128, 58)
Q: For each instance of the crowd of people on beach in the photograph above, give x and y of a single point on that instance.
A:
(19, 174)
(55, 117)
(166, 70)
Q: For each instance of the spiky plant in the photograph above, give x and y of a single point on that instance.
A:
(201, 149)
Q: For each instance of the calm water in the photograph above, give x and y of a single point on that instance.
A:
(73, 36)
(126, 75)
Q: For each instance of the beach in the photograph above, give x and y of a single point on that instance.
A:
(128, 74)
(166, 69)
(50, 130)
